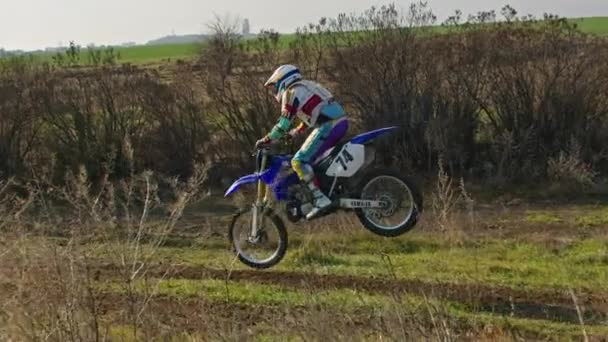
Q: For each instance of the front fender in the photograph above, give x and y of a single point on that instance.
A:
(242, 181)
(267, 176)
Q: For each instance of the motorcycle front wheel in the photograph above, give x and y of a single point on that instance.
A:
(403, 203)
(264, 250)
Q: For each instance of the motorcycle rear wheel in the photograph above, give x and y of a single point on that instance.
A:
(394, 189)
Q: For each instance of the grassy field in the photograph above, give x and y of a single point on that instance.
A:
(594, 25)
(500, 272)
(146, 54)
(165, 53)
(143, 54)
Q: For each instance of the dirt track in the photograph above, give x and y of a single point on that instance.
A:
(549, 305)
(192, 314)
(235, 321)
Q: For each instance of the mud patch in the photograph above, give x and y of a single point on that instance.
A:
(550, 305)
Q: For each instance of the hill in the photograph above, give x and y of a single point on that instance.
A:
(594, 25)
(156, 53)
(181, 39)
(187, 46)
(139, 54)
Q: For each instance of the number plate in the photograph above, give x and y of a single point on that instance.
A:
(348, 161)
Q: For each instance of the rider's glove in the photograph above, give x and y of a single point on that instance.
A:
(291, 134)
(295, 132)
(265, 141)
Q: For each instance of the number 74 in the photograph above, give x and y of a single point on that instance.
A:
(344, 159)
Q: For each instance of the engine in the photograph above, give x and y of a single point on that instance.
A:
(299, 204)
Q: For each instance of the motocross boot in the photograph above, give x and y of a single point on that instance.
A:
(321, 202)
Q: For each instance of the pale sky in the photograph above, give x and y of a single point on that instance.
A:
(33, 24)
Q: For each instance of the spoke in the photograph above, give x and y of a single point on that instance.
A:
(394, 192)
(258, 248)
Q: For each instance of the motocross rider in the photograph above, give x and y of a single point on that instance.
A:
(316, 109)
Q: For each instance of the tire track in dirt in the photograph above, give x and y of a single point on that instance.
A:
(553, 305)
(238, 321)
(311, 322)
(196, 310)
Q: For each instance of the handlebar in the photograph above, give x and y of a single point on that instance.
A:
(255, 151)
(266, 148)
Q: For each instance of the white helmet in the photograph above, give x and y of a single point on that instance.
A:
(282, 78)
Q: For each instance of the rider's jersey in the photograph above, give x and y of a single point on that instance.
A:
(305, 100)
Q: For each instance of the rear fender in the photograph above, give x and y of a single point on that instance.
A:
(365, 138)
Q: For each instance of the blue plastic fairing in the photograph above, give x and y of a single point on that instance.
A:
(367, 137)
(267, 176)
(281, 187)
(242, 181)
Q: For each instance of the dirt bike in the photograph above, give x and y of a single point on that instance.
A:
(386, 202)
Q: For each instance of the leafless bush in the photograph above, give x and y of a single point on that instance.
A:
(448, 199)
(178, 134)
(56, 119)
(20, 124)
(444, 202)
(505, 110)
(57, 296)
(374, 64)
(233, 76)
(569, 169)
(309, 48)
(91, 118)
(495, 98)
(544, 86)
(390, 70)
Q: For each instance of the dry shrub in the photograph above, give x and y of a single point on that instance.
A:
(179, 132)
(391, 70)
(20, 124)
(545, 84)
(233, 75)
(55, 119)
(450, 202)
(567, 169)
(56, 294)
(494, 98)
(444, 203)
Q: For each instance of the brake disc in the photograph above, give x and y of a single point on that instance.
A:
(391, 205)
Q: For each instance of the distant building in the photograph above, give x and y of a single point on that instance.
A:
(246, 28)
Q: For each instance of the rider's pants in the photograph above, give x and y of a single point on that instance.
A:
(320, 140)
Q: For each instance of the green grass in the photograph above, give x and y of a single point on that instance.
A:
(145, 54)
(594, 218)
(526, 262)
(594, 25)
(351, 301)
(510, 263)
(507, 263)
(160, 53)
(543, 217)
(256, 294)
(575, 216)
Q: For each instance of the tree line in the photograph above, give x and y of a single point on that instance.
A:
(514, 99)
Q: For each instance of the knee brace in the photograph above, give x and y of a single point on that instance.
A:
(303, 170)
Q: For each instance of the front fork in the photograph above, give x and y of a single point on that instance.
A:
(262, 201)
